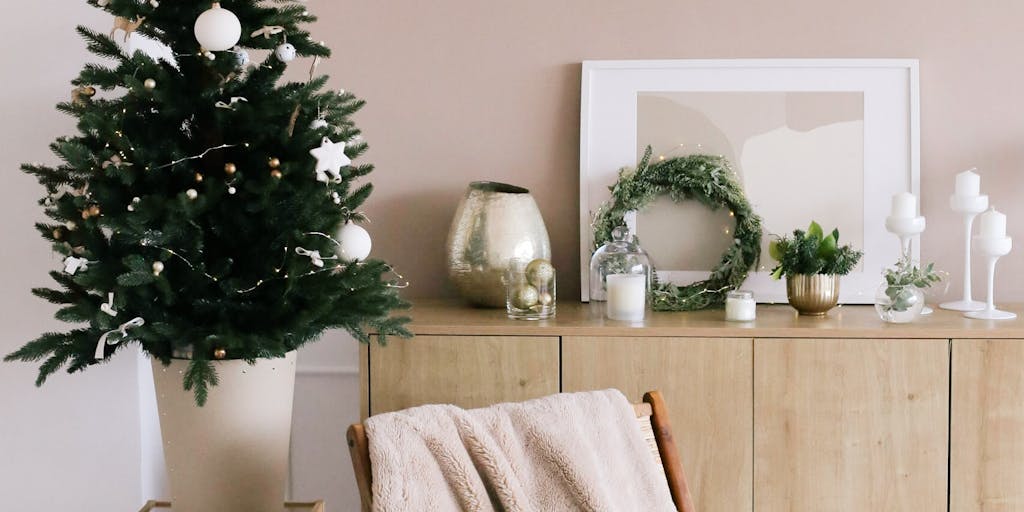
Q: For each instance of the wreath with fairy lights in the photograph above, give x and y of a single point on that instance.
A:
(709, 180)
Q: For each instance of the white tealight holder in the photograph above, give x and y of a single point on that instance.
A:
(969, 207)
(906, 228)
(994, 248)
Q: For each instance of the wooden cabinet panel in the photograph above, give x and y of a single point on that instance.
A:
(468, 371)
(846, 425)
(987, 422)
(707, 387)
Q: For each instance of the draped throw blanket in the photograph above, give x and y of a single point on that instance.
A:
(580, 451)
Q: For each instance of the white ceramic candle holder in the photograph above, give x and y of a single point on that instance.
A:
(993, 248)
(907, 228)
(969, 207)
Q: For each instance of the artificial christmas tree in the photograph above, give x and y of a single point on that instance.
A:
(198, 205)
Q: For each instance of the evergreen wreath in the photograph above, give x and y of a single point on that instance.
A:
(705, 178)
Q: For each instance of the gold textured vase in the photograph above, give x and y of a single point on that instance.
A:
(813, 295)
(494, 223)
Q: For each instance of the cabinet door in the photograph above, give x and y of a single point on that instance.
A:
(468, 371)
(987, 421)
(846, 425)
(707, 388)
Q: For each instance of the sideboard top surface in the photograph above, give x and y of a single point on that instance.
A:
(451, 317)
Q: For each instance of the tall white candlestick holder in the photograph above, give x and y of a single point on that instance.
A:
(969, 207)
(993, 248)
(906, 228)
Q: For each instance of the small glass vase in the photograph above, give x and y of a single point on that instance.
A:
(899, 304)
(530, 292)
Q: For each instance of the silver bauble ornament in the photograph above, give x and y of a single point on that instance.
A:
(149, 84)
(524, 296)
(285, 52)
(540, 272)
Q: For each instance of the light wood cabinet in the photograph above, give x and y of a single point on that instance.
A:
(712, 419)
(845, 425)
(987, 426)
(468, 371)
(786, 414)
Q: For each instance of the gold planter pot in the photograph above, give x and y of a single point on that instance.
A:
(813, 295)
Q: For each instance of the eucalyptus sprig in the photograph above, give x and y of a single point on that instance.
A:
(900, 278)
(812, 252)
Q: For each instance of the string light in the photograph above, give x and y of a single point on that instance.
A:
(201, 155)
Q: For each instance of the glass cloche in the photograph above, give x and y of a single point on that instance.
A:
(622, 255)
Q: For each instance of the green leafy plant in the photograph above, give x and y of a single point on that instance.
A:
(812, 252)
(900, 278)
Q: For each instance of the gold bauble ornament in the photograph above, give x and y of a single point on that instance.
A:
(274, 163)
(220, 353)
(57, 234)
(540, 272)
(94, 210)
(276, 174)
(546, 299)
(158, 267)
(230, 168)
(89, 91)
(199, 178)
(149, 84)
(85, 214)
(524, 296)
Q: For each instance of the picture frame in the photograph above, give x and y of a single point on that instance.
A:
(885, 136)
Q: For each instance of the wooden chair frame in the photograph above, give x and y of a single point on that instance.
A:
(359, 449)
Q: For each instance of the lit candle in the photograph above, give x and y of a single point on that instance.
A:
(627, 296)
(993, 224)
(740, 306)
(904, 206)
(968, 184)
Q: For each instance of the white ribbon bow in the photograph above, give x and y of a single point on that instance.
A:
(268, 31)
(314, 256)
(230, 106)
(122, 331)
(108, 307)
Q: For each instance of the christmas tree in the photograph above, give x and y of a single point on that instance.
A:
(198, 209)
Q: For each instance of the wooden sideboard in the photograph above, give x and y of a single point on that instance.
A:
(787, 413)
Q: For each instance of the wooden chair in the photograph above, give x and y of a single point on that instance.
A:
(654, 424)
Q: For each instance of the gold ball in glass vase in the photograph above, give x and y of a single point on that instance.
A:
(540, 272)
(524, 296)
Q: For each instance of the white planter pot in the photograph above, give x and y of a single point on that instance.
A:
(231, 454)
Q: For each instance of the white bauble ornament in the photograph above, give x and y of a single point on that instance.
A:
(218, 29)
(285, 52)
(241, 57)
(318, 124)
(355, 242)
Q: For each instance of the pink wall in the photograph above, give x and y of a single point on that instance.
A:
(460, 91)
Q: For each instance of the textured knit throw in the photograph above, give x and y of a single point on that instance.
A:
(580, 451)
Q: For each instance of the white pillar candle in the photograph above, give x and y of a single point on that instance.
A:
(968, 184)
(993, 224)
(627, 297)
(904, 206)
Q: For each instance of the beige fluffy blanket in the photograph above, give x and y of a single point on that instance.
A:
(581, 451)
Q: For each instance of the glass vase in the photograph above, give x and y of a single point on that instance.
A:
(899, 304)
(530, 292)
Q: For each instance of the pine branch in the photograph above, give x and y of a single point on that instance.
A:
(199, 378)
(101, 44)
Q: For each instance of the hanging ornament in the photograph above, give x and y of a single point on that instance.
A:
(354, 241)
(158, 267)
(135, 201)
(276, 174)
(285, 52)
(230, 168)
(267, 31)
(192, 194)
(199, 178)
(127, 25)
(218, 29)
(232, 190)
(108, 306)
(57, 234)
(241, 57)
(274, 162)
(72, 265)
(330, 158)
(220, 354)
(81, 93)
(116, 162)
(318, 124)
(149, 84)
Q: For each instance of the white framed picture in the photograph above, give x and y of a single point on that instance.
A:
(830, 140)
